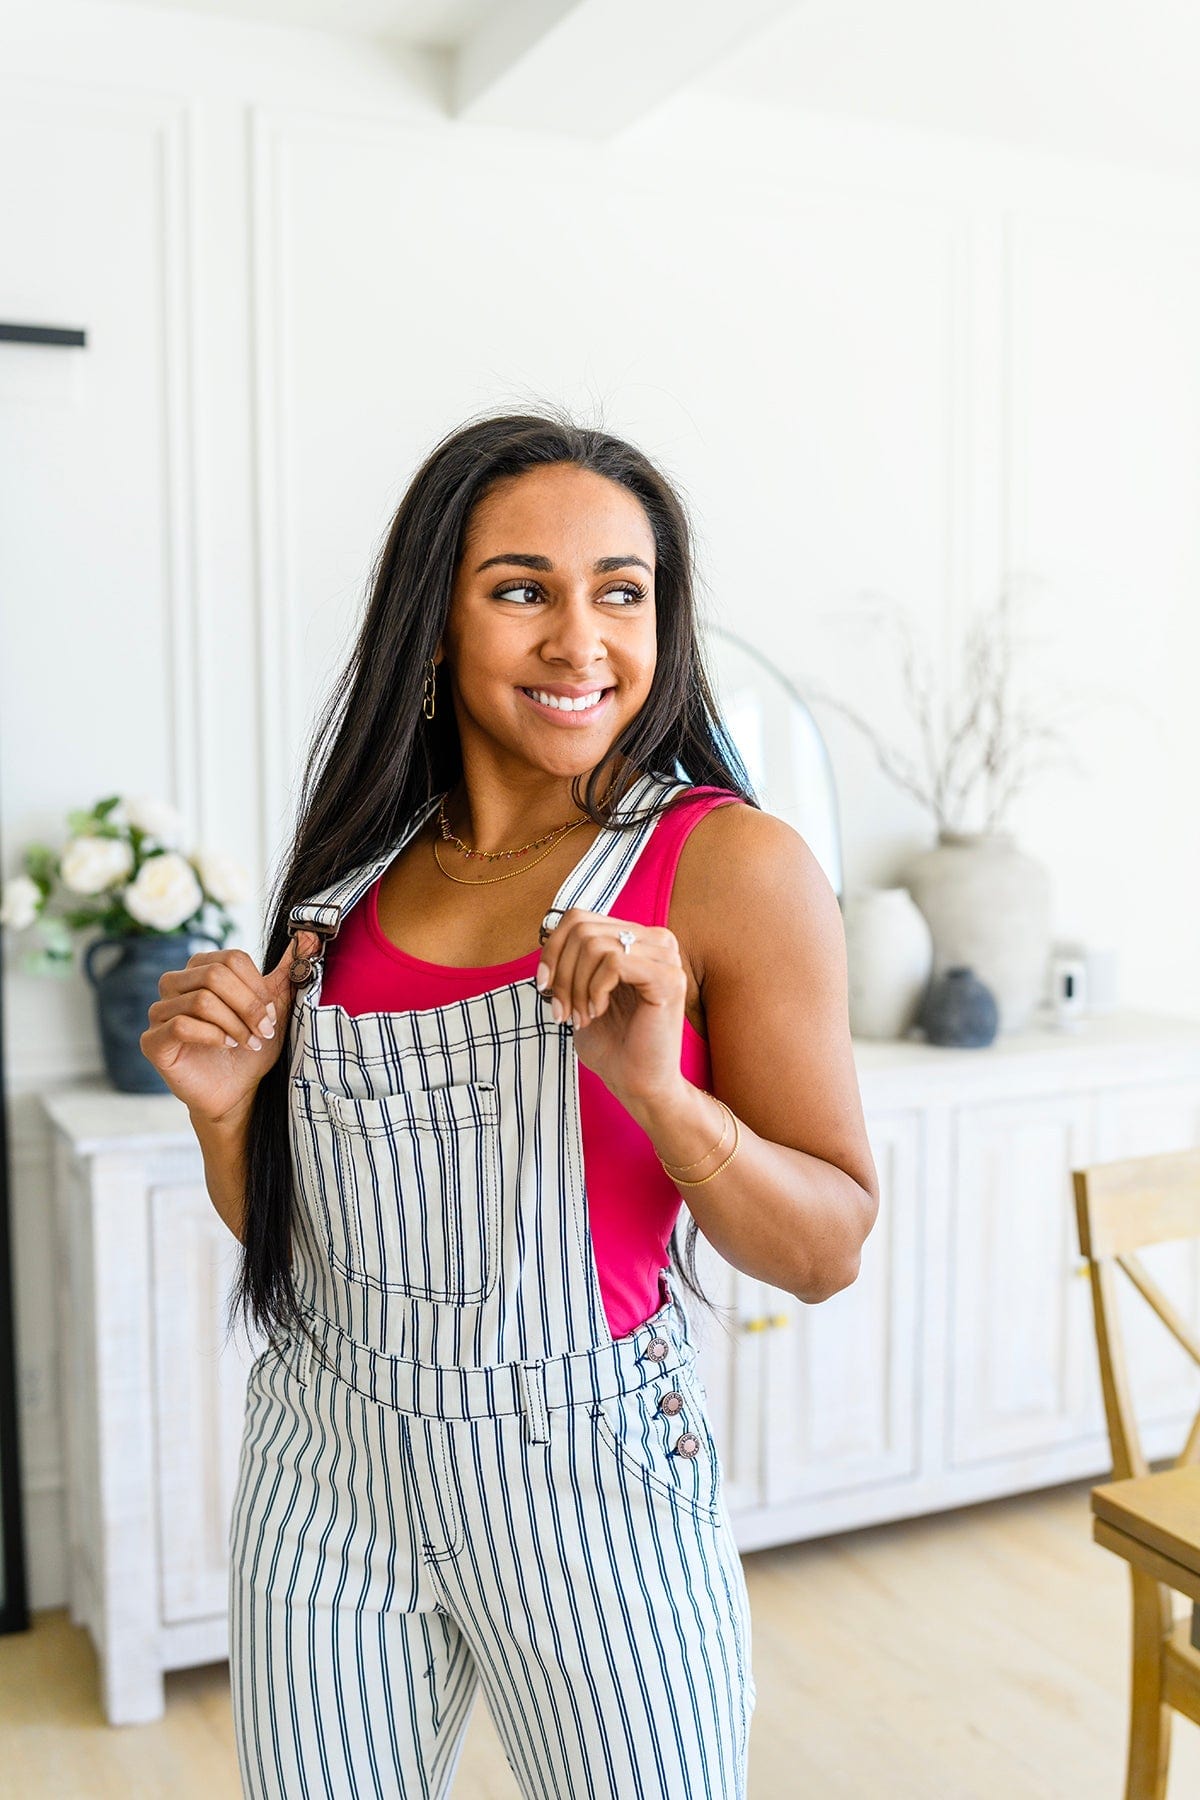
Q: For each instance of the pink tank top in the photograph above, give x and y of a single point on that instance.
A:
(632, 1202)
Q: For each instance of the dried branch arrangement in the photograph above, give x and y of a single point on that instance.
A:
(984, 742)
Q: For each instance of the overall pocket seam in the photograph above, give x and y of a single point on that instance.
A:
(708, 1511)
(449, 1127)
(349, 1194)
(459, 1296)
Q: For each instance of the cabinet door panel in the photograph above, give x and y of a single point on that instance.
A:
(1164, 1379)
(200, 1386)
(1020, 1364)
(840, 1376)
(730, 1362)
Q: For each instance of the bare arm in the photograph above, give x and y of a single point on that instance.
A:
(223, 1145)
(217, 1028)
(764, 930)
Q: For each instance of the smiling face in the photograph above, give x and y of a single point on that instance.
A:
(553, 603)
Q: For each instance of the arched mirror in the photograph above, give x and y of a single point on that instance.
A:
(780, 745)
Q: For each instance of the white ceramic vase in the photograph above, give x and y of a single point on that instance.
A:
(889, 956)
(988, 906)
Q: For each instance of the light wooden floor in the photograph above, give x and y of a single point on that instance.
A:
(973, 1655)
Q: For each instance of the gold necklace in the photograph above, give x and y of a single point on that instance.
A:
(491, 855)
(488, 879)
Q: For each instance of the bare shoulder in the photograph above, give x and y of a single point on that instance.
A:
(744, 872)
(760, 925)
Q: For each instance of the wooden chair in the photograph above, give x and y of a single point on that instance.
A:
(1152, 1519)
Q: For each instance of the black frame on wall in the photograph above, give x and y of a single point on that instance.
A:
(14, 1599)
(43, 334)
(14, 1602)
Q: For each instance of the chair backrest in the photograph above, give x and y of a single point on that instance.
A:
(1121, 1207)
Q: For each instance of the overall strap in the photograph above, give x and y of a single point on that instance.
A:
(596, 880)
(324, 911)
(592, 884)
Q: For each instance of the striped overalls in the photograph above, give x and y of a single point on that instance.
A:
(469, 1479)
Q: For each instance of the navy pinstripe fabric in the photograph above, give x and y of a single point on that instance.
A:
(468, 1481)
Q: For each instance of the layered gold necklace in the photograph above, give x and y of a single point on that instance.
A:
(559, 831)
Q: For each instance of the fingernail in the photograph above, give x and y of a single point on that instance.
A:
(232, 1042)
(271, 1010)
(557, 1010)
(254, 1043)
(267, 1027)
(542, 976)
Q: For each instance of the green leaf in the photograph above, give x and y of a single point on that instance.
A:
(54, 935)
(82, 918)
(47, 962)
(41, 865)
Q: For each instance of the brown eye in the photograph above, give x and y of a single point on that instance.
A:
(516, 587)
(633, 589)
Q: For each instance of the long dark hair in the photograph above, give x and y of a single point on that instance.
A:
(373, 757)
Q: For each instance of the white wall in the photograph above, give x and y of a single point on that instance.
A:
(874, 359)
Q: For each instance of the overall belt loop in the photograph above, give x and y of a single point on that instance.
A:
(531, 1384)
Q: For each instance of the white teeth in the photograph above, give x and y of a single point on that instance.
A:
(564, 703)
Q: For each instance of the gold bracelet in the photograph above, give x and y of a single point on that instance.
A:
(716, 1146)
(736, 1139)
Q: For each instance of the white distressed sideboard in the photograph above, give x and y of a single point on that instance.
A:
(152, 1393)
(959, 1366)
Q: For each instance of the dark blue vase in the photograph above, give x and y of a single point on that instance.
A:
(959, 1010)
(125, 992)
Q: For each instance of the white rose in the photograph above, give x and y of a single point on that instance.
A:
(155, 817)
(91, 864)
(165, 892)
(223, 878)
(22, 899)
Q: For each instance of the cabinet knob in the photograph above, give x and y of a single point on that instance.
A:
(1082, 1267)
(768, 1322)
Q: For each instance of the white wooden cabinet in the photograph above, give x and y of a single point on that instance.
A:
(1018, 1362)
(960, 1365)
(153, 1395)
(838, 1380)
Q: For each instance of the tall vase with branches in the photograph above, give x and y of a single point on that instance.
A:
(972, 749)
(985, 739)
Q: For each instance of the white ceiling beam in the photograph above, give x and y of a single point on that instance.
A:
(591, 67)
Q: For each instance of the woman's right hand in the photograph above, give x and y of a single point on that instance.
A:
(205, 1025)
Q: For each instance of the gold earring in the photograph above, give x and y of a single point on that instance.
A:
(429, 701)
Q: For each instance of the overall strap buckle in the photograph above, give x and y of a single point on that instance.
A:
(325, 920)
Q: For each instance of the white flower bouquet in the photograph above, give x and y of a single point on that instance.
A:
(122, 871)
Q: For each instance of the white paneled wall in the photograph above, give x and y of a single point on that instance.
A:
(873, 360)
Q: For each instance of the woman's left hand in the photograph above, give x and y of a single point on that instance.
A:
(636, 997)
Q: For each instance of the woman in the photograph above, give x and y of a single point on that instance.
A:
(542, 969)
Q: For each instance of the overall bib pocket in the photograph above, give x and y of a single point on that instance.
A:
(660, 1434)
(406, 1187)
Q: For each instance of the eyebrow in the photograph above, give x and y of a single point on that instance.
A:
(603, 565)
